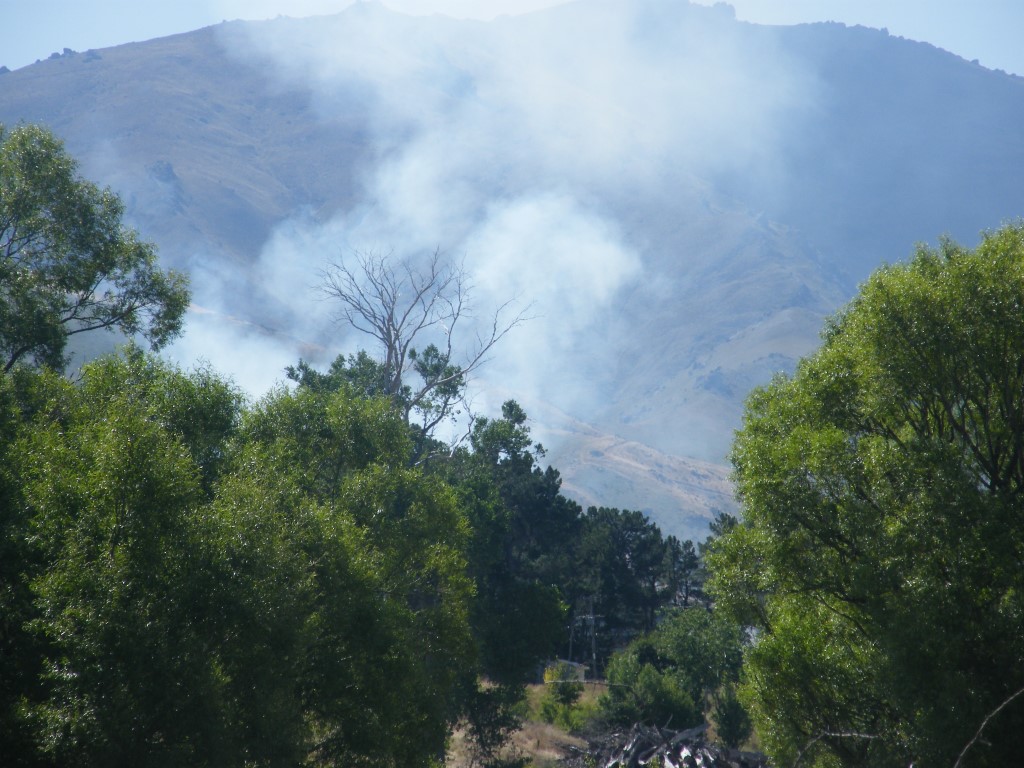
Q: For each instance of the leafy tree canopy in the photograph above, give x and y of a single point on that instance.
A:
(67, 262)
(677, 670)
(882, 539)
(187, 581)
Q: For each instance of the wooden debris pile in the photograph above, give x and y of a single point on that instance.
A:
(652, 746)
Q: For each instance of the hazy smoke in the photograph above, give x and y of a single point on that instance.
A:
(497, 143)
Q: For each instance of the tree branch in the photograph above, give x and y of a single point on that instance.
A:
(984, 723)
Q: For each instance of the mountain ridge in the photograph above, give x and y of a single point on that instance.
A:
(686, 196)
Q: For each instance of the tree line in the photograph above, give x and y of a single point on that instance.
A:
(880, 559)
(191, 578)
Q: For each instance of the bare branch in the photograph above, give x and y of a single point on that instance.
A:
(407, 306)
(984, 723)
(830, 735)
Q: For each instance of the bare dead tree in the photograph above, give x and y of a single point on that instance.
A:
(403, 304)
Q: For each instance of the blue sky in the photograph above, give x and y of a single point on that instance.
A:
(987, 30)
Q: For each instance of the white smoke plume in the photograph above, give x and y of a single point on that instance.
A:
(498, 142)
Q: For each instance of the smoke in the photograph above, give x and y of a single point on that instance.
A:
(500, 143)
(460, 9)
(578, 92)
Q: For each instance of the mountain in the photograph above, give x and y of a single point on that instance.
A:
(681, 198)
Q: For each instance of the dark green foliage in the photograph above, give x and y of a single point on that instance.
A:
(364, 375)
(188, 583)
(880, 550)
(127, 671)
(20, 651)
(439, 390)
(521, 531)
(67, 263)
(620, 562)
(677, 669)
(442, 388)
(639, 692)
(492, 714)
(562, 684)
(623, 573)
(533, 551)
(519, 555)
(683, 571)
(732, 721)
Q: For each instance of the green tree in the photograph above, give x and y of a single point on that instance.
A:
(732, 721)
(378, 665)
(127, 674)
(67, 263)
(693, 651)
(638, 691)
(684, 574)
(366, 376)
(617, 572)
(704, 647)
(620, 563)
(521, 531)
(879, 555)
(21, 651)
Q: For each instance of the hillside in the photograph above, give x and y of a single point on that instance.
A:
(681, 197)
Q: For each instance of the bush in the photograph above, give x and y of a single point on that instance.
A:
(562, 690)
(640, 692)
(732, 722)
(562, 683)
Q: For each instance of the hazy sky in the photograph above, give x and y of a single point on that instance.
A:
(987, 30)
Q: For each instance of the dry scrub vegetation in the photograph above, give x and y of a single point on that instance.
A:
(543, 744)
